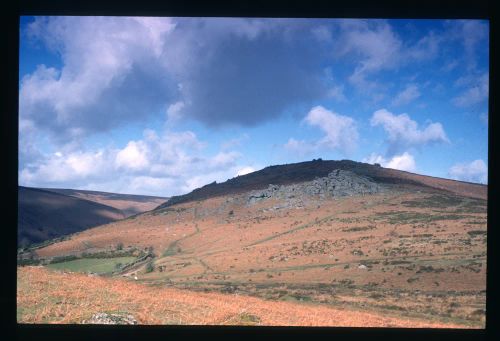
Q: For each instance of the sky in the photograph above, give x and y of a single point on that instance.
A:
(161, 106)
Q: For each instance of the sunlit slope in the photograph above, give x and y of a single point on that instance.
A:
(405, 249)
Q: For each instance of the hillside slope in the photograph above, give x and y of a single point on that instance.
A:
(389, 242)
(44, 215)
(85, 296)
(129, 204)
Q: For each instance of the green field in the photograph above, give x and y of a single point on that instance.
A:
(97, 265)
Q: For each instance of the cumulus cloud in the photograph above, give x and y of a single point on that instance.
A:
(166, 164)
(117, 70)
(67, 168)
(111, 74)
(245, 170)
(404, 162)
(475, 171)
(409, 94)
(133, 156)
(404, 132)
(340, 132)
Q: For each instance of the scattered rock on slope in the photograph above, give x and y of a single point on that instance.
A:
(104, 318)
(338, 183)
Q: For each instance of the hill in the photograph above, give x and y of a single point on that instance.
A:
(309, 170)
(357, 237)
(128, 204)
(50, 213)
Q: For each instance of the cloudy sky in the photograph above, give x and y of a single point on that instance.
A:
(161, 106)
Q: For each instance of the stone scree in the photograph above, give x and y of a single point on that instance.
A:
(338, 183)
(104, 318)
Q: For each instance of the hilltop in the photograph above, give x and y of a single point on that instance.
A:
(310, 170)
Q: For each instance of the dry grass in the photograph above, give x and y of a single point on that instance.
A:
(260, 245)
(45, 296)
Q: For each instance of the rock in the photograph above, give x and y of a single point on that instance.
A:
(105, 318)
(362, 267)
(338, 183)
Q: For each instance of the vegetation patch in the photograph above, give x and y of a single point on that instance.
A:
(476, 233)
(397, 217)
(246, 319)
(359, 228)
(95, 265)
(434, 201)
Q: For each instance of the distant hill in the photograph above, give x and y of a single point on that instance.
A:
(309, 170)
(49, 213)
(129, 204)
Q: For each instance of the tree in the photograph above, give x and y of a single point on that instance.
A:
(150, 267)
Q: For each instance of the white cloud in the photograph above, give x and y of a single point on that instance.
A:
(164, 164)
(60, 168)
(406, 96)
(477, 91)
(133, 156)
(475, 171)
(105, 60)
(337, 93)
(245, 170)
(374, 46)
(174, 111)
(404, 132)
(404, 162)
(117, 70)
(224, 160)
(300, 147)
(375, 158)
(375, 41)
(340, 133)
(469, 33)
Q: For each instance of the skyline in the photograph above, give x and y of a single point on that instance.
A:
(162, 106)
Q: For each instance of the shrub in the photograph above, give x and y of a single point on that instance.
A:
(119, 246)
(61, 259)
(150, 267)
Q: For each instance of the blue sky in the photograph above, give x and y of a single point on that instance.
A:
(161, 106)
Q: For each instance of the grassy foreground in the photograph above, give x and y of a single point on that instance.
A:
(50, 296)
